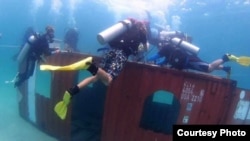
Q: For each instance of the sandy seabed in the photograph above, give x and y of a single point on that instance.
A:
(12, 126)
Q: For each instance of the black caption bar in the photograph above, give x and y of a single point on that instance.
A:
(211, 132)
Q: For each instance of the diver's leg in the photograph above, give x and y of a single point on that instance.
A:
(23, 73)
(104, 76)
(31, 67)
(85, 82)
(97, 73)
(215, 65)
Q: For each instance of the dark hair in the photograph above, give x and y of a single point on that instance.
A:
(49, 29)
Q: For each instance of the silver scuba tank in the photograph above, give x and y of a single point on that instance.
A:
(113, 31)
(24, 52)
(185, 45)
(167, 35)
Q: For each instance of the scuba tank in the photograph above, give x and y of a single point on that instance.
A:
(114, 31)
(168, 35)
(24, 52)
(185, 45)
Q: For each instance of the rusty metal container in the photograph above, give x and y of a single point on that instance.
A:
(142, 103)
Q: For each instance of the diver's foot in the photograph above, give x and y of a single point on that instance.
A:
(17, 83)
(17, 80)
(229, 57)
(86, 63)
(227, 69)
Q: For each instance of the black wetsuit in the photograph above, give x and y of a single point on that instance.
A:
(37, 48)
(175, 56)
(181, 59)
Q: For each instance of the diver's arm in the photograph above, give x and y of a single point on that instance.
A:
(146, 46)
(154, 57)
(54, 50)
(143, 47)
(162, 62)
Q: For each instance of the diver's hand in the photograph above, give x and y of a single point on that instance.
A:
(56, 51)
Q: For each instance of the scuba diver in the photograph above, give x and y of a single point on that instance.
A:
(36, 47)
(178, 52)
(175, 49)
(71, 40)
(124, 39)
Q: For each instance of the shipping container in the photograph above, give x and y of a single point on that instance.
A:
(142, 103)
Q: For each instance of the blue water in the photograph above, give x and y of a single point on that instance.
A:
(217, 26)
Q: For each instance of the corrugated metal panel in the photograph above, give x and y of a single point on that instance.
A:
(61, 129)
(23, 101)
(125, 100)
(239, 111)
(202, 100)
(47, 120)
(22, 96)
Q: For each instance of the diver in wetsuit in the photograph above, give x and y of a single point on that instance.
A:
(121, 48)
(177, 57)
(71, 40)
(36, 47)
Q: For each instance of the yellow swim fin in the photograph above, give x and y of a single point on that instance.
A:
(83, 64)
(244, 60)
(61, 107)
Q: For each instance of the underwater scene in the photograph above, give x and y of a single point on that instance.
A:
(36, 93)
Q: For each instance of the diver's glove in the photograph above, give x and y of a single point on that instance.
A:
(61, 107)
